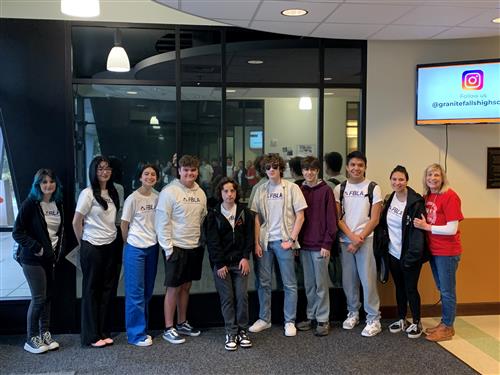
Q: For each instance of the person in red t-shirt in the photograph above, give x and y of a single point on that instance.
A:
(443, 214)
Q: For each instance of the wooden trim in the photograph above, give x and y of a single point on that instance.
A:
(464, 309)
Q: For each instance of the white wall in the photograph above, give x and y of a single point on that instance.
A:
(393, 138)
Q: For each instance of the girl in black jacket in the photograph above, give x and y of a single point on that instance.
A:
(39, 232)
(406, 247)
(230, 240)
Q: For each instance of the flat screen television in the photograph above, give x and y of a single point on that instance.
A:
(256, 139)
(466, 92)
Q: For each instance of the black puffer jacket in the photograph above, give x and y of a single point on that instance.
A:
(414, 249)
(226, 247)
(30, 232)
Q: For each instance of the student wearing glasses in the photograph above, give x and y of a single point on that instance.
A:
(95, 230)
(279, 206)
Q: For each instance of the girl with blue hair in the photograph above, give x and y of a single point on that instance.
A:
(39, 232)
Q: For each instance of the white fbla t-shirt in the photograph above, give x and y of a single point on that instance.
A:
(275, 199)
(98, 224)
(139, 211)
(356, 205)
(395, 225)
(230, 215)
(52, 219)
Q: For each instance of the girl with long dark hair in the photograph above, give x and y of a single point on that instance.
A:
(95, 230)
(39, 232)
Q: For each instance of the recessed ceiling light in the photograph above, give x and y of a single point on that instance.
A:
(328, 93)
(496, 20)
(156, 127)
(230, 90)
(132, 92)
(327, 78)
(255, 62)
(294, 12)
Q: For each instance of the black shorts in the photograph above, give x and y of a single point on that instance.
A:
(184, 265)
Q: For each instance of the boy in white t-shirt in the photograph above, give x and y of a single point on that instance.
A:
(357, 221)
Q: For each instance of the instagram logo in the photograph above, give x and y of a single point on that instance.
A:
(472, 80)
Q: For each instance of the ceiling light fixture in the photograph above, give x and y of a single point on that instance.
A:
(305, 103)
(496, 20)
(294, 12)
(80, 8)
(255, 62)
(327, 79)
(154, 121)
(132, 92)
(117, 58)
(328, 93)
(230, 91)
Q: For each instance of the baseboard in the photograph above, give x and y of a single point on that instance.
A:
(464, 309)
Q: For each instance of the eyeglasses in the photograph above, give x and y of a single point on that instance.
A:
(273, 166)
(105, 169)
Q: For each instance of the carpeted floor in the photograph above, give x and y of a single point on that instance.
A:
(342, 352)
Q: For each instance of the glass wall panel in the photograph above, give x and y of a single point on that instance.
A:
(338, 135)
(200, 55)
(343, 66)
(133, 125)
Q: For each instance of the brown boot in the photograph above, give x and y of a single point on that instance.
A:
(442, 333)
(433, 329)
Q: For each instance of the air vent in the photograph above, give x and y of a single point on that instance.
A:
(167, 42)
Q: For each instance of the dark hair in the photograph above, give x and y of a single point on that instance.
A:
(116, 165)
(258, 165)
(96, 187)
(273, 158)
(356, 155)
(149, 165)
(310, 162)
(36, 192)
(220, 186)
(295, 165)
(189, 161)
(333, 161)
(400, 169)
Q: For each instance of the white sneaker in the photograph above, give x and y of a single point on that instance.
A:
(259, 326)
(290, 329)
(372, 328)
(351, 321)
(148, 341)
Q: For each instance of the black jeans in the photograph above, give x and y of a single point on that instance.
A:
(406, 282)
(233, 299)
(41, 282)
(98, 271)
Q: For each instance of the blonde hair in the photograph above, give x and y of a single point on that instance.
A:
(436, 167)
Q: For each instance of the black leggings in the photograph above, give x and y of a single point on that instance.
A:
(41, 282)
(406, 282)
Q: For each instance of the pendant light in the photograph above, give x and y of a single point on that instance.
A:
(117, 58)
(80, 8)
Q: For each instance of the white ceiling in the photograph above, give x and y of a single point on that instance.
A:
(354, 19)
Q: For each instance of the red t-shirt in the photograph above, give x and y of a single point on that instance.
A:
(441, 209)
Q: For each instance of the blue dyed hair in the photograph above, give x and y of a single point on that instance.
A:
(36, 192)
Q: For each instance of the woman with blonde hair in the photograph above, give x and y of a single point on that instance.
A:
(444, 212)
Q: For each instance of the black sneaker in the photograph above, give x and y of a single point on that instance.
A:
(399, 326)
(172, 336)
(187, 330)
(231, 343)
(414, 331)
(305, 325)
(36, 345)
(322, 329)
(244, 340)
(49, 341)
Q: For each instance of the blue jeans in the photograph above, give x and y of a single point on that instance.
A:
(444, 270)
(140, 272)
(286, 262)
(316, 284)
(357, 268)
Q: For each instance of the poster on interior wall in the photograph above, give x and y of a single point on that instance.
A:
(493, 168)
(305, 150)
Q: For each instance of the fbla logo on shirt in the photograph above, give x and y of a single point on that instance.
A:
(274, 195)
(191, 200)
(51, 213)
(355, 193)
(396, 211)
(147, 207)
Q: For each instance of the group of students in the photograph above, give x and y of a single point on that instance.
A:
(283, 219)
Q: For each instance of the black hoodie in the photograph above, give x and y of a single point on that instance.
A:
(226, 247)
(414, 249)
(30, 232)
